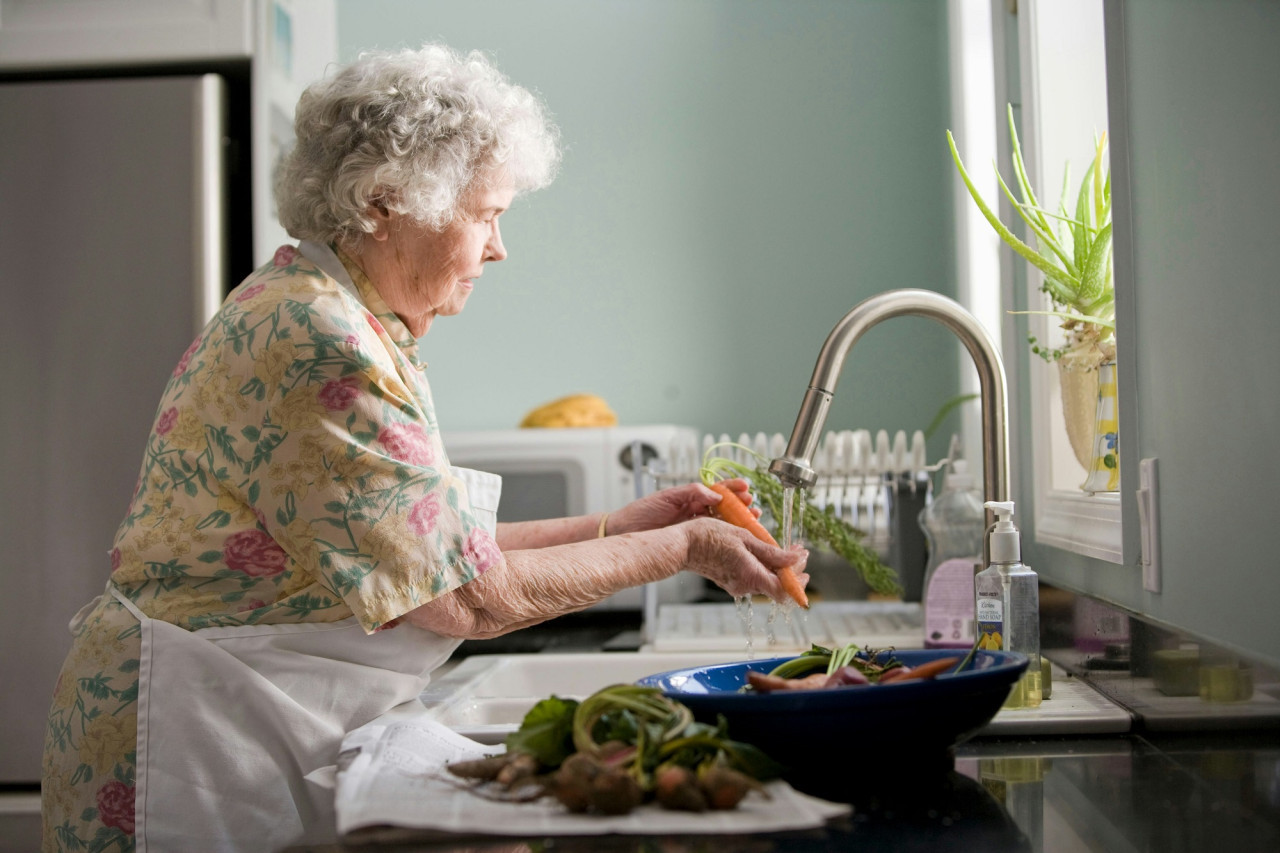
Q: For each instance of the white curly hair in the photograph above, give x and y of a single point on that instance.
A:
(412, 131)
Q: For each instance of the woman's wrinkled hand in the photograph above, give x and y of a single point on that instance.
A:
(739, 563)
(674, 505)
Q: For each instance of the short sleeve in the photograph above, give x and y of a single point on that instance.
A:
(345, 468)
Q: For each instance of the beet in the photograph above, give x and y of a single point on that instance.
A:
(615, 791)
(725, 787)
(676, 788)
(847, 676)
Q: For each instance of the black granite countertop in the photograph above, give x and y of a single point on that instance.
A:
(1190, 775)
(1139, 792)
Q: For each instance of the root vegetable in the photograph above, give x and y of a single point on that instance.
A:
(615, 791)
(677, 788)
(571, 784)
(733, 510)
(891, 675)
(584, 782)
(763, 682)
(519, 770)
(725, 787)
(931, 669)
(485, 769)
(847, 676)
(611, 748)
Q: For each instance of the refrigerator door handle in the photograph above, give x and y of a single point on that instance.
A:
(209, 238)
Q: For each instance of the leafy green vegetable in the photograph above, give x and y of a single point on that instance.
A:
(616, 725)
(969, 657)
(821, 659)
(546, 732)
(815, 659)
(750, 760)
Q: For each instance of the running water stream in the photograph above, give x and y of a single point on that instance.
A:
(744, 604)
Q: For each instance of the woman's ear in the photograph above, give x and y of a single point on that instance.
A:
(381, 216)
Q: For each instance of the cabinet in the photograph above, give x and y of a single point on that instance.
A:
(288, 44)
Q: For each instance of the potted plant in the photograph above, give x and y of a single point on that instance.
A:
(1074, 254)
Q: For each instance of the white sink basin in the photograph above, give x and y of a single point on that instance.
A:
(486, 696)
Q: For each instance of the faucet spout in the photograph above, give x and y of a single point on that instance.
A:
(796, 467)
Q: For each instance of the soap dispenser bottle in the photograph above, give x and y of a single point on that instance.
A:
(954, 524)
(1007, 605)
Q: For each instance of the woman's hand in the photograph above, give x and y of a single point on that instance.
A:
(674, 505)
(739, 563)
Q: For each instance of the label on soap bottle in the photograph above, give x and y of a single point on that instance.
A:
(990, 616)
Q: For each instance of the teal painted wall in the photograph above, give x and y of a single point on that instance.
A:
(738, 175)
(1202, 126)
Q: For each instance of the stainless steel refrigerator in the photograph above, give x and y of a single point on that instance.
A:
(113, 252)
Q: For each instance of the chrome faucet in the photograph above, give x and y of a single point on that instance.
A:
(796, 467)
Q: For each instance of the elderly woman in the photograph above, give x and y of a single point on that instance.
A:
(299, 555)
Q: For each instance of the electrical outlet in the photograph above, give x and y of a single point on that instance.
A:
(1149, 519)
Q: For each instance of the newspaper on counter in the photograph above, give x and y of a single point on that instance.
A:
(391, 773)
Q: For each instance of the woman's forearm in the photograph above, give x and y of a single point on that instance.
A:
(544, 533)
(531, 586)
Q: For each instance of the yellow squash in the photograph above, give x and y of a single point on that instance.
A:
(576, 410)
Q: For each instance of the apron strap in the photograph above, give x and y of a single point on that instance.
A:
(128, 604)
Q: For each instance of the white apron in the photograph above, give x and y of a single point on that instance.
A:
(230, 720)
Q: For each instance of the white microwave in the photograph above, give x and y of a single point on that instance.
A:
(556, 472)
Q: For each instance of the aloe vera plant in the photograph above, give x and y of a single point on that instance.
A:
(1074, 254)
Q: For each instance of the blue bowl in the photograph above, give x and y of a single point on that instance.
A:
(811, 731)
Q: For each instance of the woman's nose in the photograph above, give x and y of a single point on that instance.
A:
(494, 250)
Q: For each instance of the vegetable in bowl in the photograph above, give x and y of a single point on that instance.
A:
(846, 667)
(920, 719)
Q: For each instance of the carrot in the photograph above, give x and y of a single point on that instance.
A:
(791, 584)
(763, 682)
(929, 669)
(733, 510)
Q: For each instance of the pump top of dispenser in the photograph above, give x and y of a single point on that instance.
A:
(1006, 543)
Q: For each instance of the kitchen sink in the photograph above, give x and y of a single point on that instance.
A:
(485, 697)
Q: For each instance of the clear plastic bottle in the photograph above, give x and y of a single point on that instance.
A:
(1007, 605)
(954, 524)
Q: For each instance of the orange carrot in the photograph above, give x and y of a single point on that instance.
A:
(930, 669)
(791, 583)
(733, 510)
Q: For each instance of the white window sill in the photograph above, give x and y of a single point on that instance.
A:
(1081, 523)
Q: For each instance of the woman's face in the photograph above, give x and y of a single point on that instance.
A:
(422, 273)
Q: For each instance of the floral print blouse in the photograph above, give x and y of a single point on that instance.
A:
(295, 471)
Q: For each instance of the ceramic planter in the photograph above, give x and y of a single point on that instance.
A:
(1104, 463)
(1079, 389)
